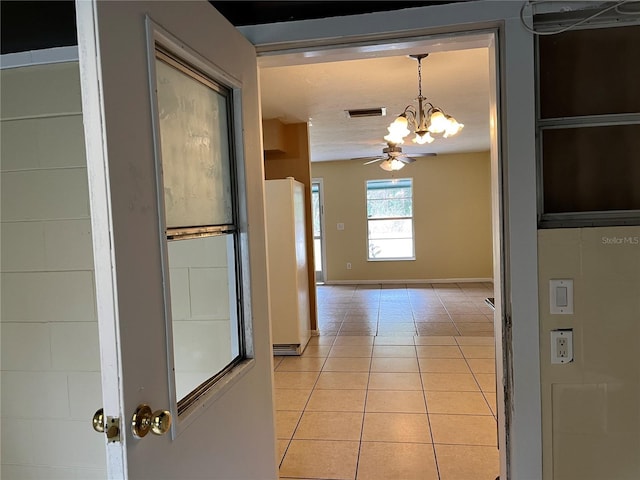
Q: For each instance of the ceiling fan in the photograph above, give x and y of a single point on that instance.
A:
(393, 158)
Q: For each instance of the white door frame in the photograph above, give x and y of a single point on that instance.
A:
(513, 176)
(320, 182)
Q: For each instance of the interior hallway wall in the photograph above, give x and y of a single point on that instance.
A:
(591, 407)
(50, 354)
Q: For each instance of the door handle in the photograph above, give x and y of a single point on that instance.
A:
(144, 420)
(98, 421)
(109, 425)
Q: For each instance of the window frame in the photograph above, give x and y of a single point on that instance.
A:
(412, 218)
(219, 382)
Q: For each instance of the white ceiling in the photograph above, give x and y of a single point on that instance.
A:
(455, 80)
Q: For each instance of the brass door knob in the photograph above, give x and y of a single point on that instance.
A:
(98, 421)
(145, 420)
(160, 422)
(107, 425)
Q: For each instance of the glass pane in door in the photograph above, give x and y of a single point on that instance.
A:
(198, 190)
(203, 292)
(195, 149)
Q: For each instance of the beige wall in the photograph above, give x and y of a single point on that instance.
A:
(50, 360)
(452, 219)
(591, 407)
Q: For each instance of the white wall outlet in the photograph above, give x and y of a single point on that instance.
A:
(561, 297)
(562, 346)
(340, 226)
(348, 265)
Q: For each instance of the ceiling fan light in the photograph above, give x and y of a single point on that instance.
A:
(391, 165)
(423, 138)
(397, 130)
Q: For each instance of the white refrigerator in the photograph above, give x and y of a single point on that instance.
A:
(287, 259)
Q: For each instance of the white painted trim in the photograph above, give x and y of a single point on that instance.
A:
(515, 66)
(39, 57)
(106, 284)
(499, 204)
(459, 17)
(409, 281)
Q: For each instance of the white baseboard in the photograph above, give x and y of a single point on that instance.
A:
(409, 281)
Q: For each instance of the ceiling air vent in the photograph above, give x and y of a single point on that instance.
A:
(366, 112)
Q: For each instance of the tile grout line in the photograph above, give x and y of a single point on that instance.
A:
(426, 407)
(304, 408)
(475, 379)
(366, 396)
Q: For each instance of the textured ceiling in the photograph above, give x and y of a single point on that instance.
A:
(457, 81)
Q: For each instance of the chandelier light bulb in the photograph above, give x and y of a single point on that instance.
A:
(398, 130)
(438, 123)
(453, 127)
(422, 139)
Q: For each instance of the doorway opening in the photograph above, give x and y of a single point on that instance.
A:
(317, 212)
(483, 40)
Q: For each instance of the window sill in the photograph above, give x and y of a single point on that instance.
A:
(408, 259)
(214, 393)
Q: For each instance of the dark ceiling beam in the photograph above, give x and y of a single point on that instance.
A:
(253, 13)
(34, 25)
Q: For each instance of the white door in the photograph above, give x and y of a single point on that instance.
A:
(163, 267)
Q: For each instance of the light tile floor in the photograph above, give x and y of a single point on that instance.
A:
(399, 385)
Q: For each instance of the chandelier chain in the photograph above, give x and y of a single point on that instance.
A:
(420, 78)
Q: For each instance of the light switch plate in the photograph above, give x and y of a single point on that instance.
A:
(561, 296)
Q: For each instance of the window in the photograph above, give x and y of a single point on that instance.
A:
(202, 237)
(390, 219)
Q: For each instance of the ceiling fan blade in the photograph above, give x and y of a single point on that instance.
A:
(405, 159)
(377, 159)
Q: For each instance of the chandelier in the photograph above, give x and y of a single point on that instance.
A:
(427, 120)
